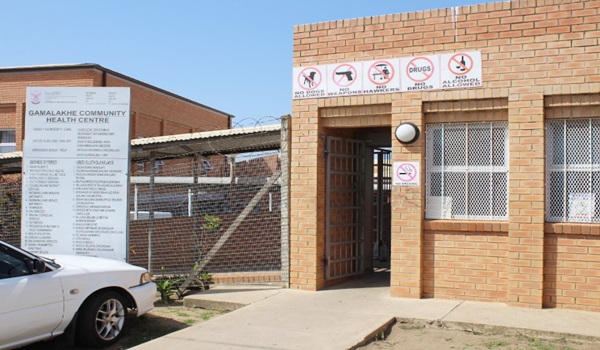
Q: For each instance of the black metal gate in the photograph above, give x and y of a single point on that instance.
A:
(345, 207)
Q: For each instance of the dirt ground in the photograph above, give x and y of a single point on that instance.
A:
(419, 335)
(162, 320)
(404, 335)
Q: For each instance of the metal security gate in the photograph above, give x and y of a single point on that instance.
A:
(345, 207)
(382, 191)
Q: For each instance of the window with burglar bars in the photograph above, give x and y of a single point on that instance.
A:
(467, 171)
(573, 170)
(7, 141)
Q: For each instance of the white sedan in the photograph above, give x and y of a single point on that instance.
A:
(89, 298)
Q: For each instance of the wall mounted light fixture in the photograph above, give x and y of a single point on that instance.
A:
(407, 133)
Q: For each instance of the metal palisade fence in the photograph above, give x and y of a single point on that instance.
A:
(211, 202)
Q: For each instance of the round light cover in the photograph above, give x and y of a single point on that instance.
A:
(407, 133)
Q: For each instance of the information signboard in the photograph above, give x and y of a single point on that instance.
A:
(75, 171)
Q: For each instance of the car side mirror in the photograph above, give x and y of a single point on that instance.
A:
(39, 266)
(36, 265)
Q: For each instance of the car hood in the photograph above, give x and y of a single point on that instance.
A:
(83, 264)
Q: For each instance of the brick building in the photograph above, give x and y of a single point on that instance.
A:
(154, 112)
(498, 199)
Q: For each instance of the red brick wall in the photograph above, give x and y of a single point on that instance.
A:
(153, 113)
(168, 115)
(465, 264)
(13, 88)
(572, 265)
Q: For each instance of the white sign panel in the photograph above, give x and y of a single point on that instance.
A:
(461, 70)
(420, 73)
(582, 206)
(309, 82)
(75, 171)
(382, 76)
(344, 79)
(435, 72)
(406, 173)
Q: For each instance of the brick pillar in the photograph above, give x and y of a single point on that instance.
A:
(19, 124)
(407, 205)
(526, 198)
(305, 271)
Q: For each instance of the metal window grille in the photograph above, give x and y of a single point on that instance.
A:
(573, 170)
(467, 171)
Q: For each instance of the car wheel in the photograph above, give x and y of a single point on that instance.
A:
(102, 319)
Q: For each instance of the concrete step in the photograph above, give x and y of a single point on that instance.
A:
(226, 297)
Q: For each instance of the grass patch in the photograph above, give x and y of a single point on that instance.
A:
(207, 315)
(496, 344)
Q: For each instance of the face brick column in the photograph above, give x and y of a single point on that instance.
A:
(407, 205)
(19, 119)
(526, 198)
(304, 241)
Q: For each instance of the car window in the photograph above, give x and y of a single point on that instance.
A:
(10, 265)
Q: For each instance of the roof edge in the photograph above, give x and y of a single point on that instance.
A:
(59, 67)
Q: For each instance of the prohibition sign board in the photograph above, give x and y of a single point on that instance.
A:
(420, 69)
(406, 173)
(420, 73)
(461, 70)
(308, 82)
(344, 79)
(381, 76)
(310, 78)
(344, 75)
(460, 64)
(381, 72)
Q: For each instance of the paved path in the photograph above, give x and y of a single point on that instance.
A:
(344, 317)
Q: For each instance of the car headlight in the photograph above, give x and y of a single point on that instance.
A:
(146, 277)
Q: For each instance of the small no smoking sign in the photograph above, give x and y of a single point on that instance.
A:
(407, 173)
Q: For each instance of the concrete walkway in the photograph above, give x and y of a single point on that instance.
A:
(344, 317)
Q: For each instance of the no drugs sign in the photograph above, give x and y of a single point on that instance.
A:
(420, 73)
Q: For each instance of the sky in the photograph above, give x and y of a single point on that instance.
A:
(232, 55)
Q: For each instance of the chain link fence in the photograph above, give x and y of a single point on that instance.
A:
(218, 210)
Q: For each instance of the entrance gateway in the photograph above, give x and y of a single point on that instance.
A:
(358, 186)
